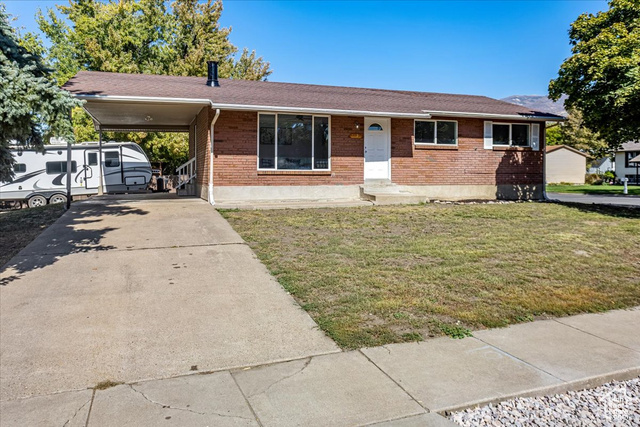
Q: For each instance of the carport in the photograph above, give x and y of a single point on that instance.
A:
(150, 114)
(195, 116)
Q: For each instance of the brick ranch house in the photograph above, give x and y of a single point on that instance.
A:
(256, 140)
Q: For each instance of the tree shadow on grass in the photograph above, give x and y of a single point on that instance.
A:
(631, 212)
(73, 233)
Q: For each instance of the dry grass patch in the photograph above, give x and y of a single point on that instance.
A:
(19, 227)
(376, 275)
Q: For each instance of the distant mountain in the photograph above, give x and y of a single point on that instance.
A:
(538, 103)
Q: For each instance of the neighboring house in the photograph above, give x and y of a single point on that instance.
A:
(625, 167)
(601, 166)
(565, 164)
(269, 140)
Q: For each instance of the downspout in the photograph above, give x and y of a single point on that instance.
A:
(544, 174)
(543, 149)
(215, 118)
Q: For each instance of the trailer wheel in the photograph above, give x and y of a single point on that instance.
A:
(36, 201)
(58, 198)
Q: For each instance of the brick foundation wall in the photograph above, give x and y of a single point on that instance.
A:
(235, 152)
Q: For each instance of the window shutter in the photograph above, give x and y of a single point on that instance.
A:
(535, 136)
(488, 135)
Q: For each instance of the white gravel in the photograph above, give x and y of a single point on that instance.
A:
(612, 404)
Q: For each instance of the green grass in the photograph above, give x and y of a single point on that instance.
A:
(633, 190)
(19, 227)
(376, 275)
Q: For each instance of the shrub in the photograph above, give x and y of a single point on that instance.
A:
(593, 179)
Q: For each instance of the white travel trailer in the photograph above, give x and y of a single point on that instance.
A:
(40, 178)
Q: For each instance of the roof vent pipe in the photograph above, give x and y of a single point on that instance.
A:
(212, 74)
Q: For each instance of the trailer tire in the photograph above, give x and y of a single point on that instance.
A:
(36, 201)
(57, 199)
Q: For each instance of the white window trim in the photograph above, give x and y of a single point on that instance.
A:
(313, 137)
(528, 125)
(435, 132)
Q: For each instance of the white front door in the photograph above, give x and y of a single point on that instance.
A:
(377, 148)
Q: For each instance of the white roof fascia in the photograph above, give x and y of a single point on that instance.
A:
(327, 111)
(493, 116)
(244, 107)
(143, 99)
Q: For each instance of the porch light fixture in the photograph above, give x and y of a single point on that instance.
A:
(148, 119)
(357, 125)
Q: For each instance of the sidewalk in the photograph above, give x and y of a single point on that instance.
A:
(394, 385)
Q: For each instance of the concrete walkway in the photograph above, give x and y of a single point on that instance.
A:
(108, 299)
(395, 385)
(598, 199)
(128, 289)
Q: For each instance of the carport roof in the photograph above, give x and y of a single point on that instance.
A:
(275, 96)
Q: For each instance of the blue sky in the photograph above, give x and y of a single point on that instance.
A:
(492, 48)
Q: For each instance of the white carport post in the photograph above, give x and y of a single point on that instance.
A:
(211, 132)
(100, 173)
(68, 202)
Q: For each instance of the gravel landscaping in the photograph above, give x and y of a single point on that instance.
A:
(612, 404)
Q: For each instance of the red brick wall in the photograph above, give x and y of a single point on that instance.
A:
(467, 164)
(235, 160)
(202, 123)
(236, 147)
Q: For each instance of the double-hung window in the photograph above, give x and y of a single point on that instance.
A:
(293, 142)
(436, 132)
(511, 135)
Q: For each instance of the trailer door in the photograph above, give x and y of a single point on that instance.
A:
(91, 169)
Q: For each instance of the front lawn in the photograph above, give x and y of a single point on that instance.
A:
(19, 227)
(376, 275)
(633, 190)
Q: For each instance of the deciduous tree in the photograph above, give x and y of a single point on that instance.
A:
(602, 77)
(144, 36)
(575, 134)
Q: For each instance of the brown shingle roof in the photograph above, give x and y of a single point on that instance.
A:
(630, 146)
(552, 148)
(292, 95)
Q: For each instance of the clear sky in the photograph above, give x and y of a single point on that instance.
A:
(492, 48)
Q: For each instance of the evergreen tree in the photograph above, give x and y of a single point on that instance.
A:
(31, 104)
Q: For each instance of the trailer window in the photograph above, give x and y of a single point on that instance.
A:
(92, 159)
(54, 168)
(112, 159)
(19, 168)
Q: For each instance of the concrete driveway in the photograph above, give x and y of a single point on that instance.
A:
(601, 199)
(133, 288)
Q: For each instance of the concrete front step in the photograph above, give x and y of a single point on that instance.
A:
(396, 199)
(186, 190)
(386, 193)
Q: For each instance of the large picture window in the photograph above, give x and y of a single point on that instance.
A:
(507, 134)
(293, 142)
(439, 132)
